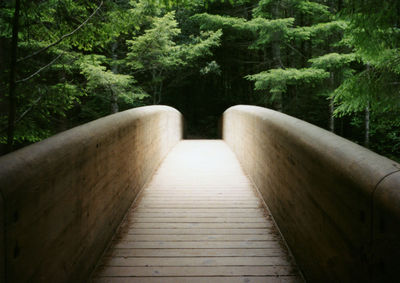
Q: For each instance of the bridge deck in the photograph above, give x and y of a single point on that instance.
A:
(198, 220)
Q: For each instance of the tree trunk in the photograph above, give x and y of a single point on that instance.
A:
(276, 55)
(367, 126)
(331, 118)
(160, 87)
(340, 5)
(331, 105)
(303, 46)
(367, 114)
(114, 69)
(154, 96)
(12, 85)
(154, 87)
(114, 102)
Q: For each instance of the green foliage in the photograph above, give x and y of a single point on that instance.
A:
(50, 85)
(200, 46)
(43, 107)
(197, 56)
(269, 8)
(277, 80)
(374, 36)
(374, 25)
(269, 31)
(156, 48)
(265, 29)
(332, 61)
(157, 51)
(313, 9)
(367, 89)
(319, 32)
(216, 22)
(211, 68)
(101, 81)
(98, 77)
(384, 134)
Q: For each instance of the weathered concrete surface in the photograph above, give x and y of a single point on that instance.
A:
(319, 188)
(65, 196)
(2, 242)
(386, 230)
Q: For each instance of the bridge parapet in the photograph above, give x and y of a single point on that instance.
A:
(335, 202)
(64, 197)
(385, 252)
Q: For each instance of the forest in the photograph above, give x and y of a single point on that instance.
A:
(333, 63)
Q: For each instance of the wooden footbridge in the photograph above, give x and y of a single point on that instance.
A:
(125, 199)
(198, 220)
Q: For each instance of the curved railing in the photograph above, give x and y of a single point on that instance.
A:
(336, 203)
(62, 198)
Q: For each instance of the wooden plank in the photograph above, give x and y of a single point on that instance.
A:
(193, 186)
(197, 182)
(204, 221)
(205, 193)
(200, 190)
(197, 245)
(206, 180)
(191, 214)
(176, 238)
(198, 231)
(209, 199)
(199, 193)
(225, 279)
(194, 261)
(199, 198)
(194, 252)
(167, 219)
(198, 271)
(241, 188)
(216, 226)
(197, 210)
(199, 205)
(204, 172)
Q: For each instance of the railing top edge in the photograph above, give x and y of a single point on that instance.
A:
(86, 134)
(358, 162)
(134, 113)
(387, 194)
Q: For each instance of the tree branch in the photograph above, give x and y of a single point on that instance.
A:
(13, 68)
(41, 69)
(28, 110)
(62, 37)
(24, 113)
(294, 49)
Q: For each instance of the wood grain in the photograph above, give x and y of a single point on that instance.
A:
(226, 279)
(198, 220)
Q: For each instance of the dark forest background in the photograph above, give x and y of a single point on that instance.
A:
(333, 63)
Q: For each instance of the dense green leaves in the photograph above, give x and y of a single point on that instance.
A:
(156, 51)
(332, 63)
(104, 82)
(277, 80)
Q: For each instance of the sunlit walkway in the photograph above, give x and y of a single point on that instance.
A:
(198, 220)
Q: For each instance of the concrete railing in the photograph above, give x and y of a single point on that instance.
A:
(63, 198)
(336, 203)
